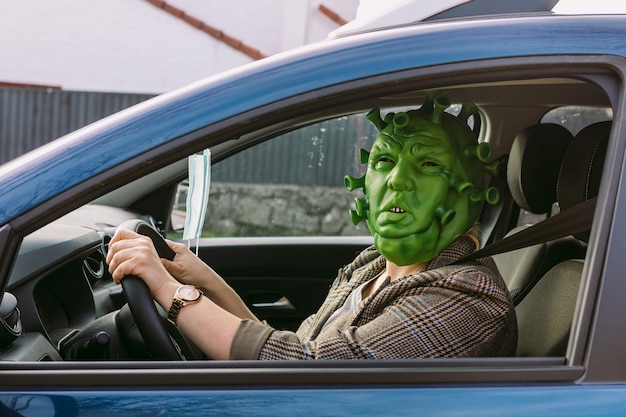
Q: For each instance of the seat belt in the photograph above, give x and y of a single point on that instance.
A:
(492, 214)
(574, 220)
(490, 221)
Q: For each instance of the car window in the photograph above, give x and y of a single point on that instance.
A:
(575, 118)
(291, 184)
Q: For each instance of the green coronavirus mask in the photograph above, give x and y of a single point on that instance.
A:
(424, 184)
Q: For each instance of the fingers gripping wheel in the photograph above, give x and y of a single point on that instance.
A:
(160, 245)
(141, 304)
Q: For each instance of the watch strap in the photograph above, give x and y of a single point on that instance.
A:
(177, 305)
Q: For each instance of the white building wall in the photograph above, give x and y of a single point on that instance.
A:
(133, 46)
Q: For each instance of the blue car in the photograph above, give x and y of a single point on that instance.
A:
(282, 134)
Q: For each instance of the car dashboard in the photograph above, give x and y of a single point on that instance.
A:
(68, 307)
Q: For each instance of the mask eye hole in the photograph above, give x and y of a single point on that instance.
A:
(384, 164)
(430, 164)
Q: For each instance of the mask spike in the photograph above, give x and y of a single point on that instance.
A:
(461, 187)
(389, 118)
(374, 117)
(492, 195)
(352, 183)
(493, 168)
(356, 219)
(427, 107)
(360, 213)
(361, 207)
(441, 104)
(444, 215)
(364, 156)
(400, 122)
(476, 196)
(482, 151)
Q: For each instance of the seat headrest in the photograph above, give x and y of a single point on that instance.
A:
(579, 177)
(534, 164)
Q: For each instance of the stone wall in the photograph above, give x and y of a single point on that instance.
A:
(243, 209)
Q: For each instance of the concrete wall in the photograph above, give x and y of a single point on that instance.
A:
(280, 210)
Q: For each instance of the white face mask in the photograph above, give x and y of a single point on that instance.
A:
(198, 194)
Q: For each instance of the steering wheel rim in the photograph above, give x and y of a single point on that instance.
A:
(141, 304)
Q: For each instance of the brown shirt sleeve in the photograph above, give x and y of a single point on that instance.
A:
(249, 339)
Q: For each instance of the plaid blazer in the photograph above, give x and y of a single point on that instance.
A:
(443, 311)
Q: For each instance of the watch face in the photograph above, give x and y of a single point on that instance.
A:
(189, 293)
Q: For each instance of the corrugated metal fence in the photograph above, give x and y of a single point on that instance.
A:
(31, 117)
(320, 154)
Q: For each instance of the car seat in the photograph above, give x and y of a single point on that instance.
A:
(544, 316)
(532, 174)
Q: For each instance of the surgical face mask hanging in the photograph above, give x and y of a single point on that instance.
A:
(197, 195)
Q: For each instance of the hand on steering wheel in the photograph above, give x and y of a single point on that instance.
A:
(149, 322)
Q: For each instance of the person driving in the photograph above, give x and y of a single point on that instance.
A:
(403, 297)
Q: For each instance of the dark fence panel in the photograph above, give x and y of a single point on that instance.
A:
(320, 154)
(31, 117)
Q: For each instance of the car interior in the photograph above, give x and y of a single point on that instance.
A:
(549, 132)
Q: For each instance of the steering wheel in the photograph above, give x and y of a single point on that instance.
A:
(150, 324)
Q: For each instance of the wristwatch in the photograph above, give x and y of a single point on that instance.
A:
(185, 295)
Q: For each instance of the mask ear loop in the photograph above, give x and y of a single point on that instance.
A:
(197, 245)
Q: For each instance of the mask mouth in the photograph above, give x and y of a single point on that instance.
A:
(397, 210)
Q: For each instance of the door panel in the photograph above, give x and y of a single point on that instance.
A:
(282, 280)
